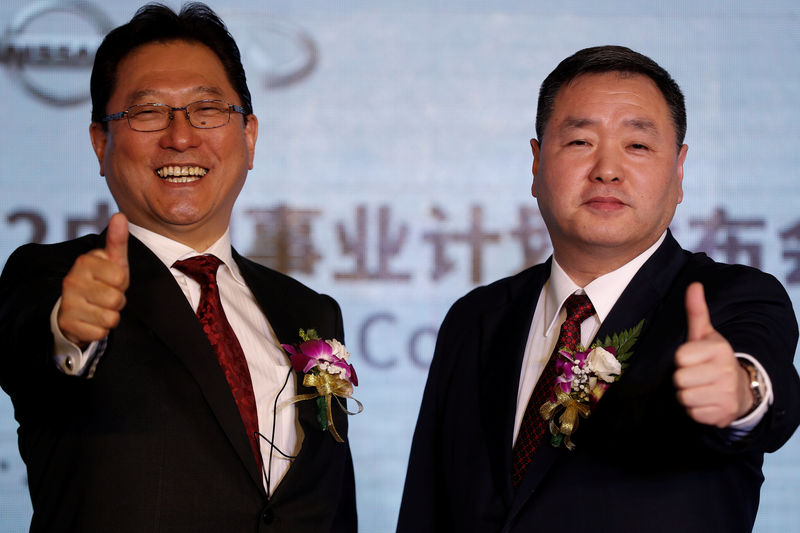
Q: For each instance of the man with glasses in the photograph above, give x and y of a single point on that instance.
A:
(145, 363)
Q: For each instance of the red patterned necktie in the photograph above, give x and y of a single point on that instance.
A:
(533, 427)
(203, 269)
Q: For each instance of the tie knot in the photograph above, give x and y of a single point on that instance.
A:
(201, 268)
(579, 308)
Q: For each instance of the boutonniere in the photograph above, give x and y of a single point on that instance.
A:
(582, 378)
(326, 366)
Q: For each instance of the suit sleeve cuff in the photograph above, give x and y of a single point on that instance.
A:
(742, 426)
(68, 357)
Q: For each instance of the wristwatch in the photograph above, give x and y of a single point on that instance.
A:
(756, 383)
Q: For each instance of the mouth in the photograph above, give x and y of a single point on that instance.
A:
(605, 203)
(181, 173)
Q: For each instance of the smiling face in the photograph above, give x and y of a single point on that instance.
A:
(608, 173)
(142, 168)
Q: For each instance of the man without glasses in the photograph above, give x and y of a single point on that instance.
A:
(663, 425)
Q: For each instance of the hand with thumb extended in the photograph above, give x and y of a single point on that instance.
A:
(93, 291)
(711, 384)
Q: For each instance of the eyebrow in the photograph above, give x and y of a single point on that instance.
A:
(571, 123)
(641, 124)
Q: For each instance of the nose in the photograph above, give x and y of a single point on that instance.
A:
(608, 166)
(180, 135)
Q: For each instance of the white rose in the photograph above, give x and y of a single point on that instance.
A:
(335, 370)
(604, 364)
(339, 350)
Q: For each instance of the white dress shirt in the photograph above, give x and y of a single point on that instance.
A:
(604, 293)
(268, 364)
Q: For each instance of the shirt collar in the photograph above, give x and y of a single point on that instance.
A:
(603, 291)
(169, 251)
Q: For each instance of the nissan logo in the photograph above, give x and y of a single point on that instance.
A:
(53, 65)
(33, 47)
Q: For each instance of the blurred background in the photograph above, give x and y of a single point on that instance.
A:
(393, 167)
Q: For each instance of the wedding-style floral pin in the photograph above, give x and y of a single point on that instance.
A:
(582, 378)
(326, 366)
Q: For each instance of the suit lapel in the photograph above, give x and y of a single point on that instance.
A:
(281, 311)
(641, 299)
(155, 299)
(645, 295)
(286, 316)
(503, 336)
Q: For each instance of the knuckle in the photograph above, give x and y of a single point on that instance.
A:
(98, 253)
(83, 262)
(109, 319)
(112, 298)
(118, 301)
(70, 284)
(117, 277)
(682, 397)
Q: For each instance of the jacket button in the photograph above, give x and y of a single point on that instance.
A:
(268, 516)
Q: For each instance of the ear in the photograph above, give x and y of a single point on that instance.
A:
(679, 169)
(99, 137)
(251, 135)
(537, 155)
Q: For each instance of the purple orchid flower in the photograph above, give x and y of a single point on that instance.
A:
(564, 375)
(310, 353)
(580, 357)
(305, 356)
(564, 366)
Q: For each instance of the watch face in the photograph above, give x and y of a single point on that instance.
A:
(755, 384)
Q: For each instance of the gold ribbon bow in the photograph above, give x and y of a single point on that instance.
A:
(329, 386)
(568, 420)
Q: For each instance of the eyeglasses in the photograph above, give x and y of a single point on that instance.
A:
(203, 114)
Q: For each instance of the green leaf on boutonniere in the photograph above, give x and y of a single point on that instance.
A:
(556, 440)
(624, 342)
(309, 335)
(322, 412)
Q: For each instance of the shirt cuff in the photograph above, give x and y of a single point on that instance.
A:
(68, 357)
(742, 426)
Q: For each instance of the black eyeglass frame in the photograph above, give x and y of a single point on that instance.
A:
(125, 114)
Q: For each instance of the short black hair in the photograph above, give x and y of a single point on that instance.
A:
(602, 59)
(155, 22)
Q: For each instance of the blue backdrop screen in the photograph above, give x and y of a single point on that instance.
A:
(393, 168)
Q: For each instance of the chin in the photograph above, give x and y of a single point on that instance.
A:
(605, 239)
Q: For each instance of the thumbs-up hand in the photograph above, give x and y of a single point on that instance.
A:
(93, 291)
(711, 384)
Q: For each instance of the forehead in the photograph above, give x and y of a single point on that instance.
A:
(173, 69)
(609, 95)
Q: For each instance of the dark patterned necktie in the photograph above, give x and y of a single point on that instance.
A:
(203, 269)
(533, 427)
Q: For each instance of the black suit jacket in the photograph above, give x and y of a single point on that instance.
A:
(154, 441)
(641, 464)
